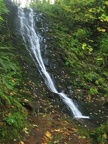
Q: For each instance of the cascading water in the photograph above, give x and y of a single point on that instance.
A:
(32, 41)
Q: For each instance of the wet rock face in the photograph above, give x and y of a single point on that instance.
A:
(10, 5)
(12, 14)
(52, 56)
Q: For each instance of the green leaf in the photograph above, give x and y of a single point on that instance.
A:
(4, 97)
(3, 66)
(6, 82)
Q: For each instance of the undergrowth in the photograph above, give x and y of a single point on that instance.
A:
(12, 114)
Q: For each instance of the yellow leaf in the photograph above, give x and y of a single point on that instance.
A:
(102, 143)
(74, 129)
(101, 29)
(48, 134)
(84, 46)
(104, 136)
(21, 142)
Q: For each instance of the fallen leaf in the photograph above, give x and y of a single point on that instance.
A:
(1, 124)
(102, 143)
(104, 136)
(48, 134)
(74, 129)
(21, 142)
(57, 130)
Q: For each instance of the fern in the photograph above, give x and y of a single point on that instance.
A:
(9, 70)
(5, 63)
(4, 97)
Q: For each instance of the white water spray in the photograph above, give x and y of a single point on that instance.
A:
(32, 41)
(26, 3)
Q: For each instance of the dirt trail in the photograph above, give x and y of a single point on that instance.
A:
(53, 128)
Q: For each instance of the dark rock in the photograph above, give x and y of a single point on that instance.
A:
(11, 16)
(105, 105)
(28, 105)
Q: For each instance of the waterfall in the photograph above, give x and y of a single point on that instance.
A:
(32, 42)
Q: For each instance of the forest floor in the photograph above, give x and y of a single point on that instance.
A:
(53, 128)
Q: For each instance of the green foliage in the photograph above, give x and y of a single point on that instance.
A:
(3, 9)
(103, 41)
(8, 69)
(93, 91)
(101, 134)
(80, 28)
(12, 116)
(16, 120)
(81, 32)
(12, 127)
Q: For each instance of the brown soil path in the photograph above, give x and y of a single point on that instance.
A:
(53, 128)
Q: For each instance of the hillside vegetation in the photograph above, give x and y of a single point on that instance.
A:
(79, 29)
(12, 115)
